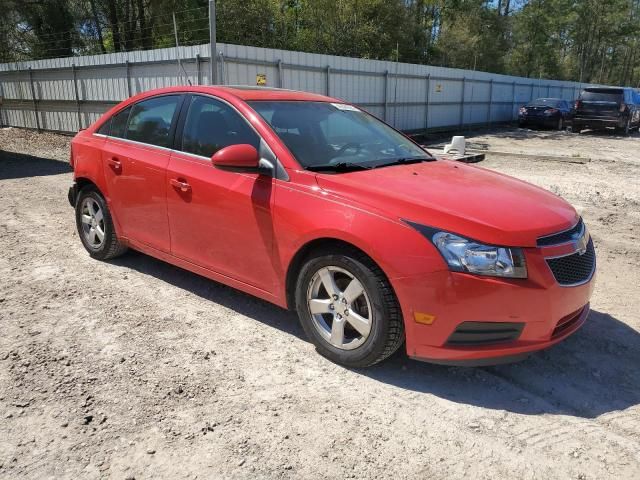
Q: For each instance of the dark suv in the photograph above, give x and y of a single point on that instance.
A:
(602, 107)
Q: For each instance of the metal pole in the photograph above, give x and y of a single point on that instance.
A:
(128, 78)
(181, 69)
(464, 87)
(213, 63)
(1, 100)
(428, 101)
(198, 73)
(21, 95)
(531, 96)
(75, 88)
(490, 101)
(513, 99)
(328, 80)
(280, 74)
(223, 73)
(386, 83)
(33, 98)
(175, 33)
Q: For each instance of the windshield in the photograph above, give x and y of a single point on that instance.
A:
(603, 95)
(546, 102)
(336, 137)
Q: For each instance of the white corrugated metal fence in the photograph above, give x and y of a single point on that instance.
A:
(66, 94)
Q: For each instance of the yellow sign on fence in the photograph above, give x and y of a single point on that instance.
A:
(261, 79)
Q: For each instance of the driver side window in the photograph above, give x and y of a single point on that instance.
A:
(212, 125)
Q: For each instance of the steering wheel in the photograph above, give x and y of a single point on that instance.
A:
(347, 146)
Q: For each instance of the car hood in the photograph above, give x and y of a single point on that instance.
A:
(460, 198)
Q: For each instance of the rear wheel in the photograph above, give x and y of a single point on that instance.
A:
(348, 309)
(95, 226)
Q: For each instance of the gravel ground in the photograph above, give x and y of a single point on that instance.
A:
(137, 369)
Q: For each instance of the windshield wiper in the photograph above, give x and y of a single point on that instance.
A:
(405, 161)
(338, 167)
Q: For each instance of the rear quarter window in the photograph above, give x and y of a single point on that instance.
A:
(119, 123)
(105, 128)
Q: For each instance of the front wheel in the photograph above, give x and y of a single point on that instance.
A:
(348, 309)
(95, 226)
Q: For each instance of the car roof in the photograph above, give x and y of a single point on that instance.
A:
(244, 92)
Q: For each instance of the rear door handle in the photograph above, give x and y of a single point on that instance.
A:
(115, 163)
(180, 185)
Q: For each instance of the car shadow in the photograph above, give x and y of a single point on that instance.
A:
(215, 292)
(593, 372)
(20, 165)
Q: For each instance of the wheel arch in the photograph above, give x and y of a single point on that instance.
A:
(82, 182)
(306, 250)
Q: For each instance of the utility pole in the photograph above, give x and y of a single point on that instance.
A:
(213, 63)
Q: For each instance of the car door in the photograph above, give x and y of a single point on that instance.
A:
(135, 159)
(219, 220)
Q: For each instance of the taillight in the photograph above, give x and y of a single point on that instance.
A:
(523, 110)
(578, 104)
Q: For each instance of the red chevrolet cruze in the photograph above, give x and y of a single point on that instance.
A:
(315, 205)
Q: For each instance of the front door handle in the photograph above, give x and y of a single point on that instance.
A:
(180, 185)
(115, 163)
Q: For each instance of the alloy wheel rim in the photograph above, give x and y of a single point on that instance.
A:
(92, 218)
(340, 307)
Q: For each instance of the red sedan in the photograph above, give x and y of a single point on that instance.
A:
(315, 205)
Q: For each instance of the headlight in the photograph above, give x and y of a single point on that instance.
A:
(465, 255)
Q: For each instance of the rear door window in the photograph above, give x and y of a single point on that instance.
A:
(150, 120)
(211, 125)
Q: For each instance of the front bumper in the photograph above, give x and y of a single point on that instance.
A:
(538, 120)
(600, 122)
(547, 312)
(72, 195)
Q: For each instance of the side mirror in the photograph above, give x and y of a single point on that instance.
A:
(236, 157)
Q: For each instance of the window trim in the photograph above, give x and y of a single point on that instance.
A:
(181, 96)
(279, 171)
(177, 143)
(174, 118)
(178, 122)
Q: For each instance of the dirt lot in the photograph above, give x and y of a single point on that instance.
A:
(137, 369)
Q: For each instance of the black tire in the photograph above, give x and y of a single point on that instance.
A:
(387, 328)
(110, 247)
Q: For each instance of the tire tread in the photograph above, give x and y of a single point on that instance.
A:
(395, 333)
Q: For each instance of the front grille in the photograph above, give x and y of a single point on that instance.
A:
(562, 237)
(574, 269)
(484, 333)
